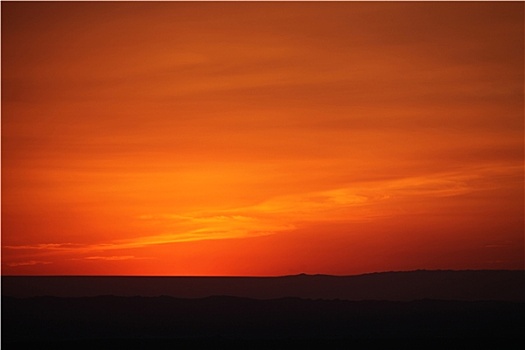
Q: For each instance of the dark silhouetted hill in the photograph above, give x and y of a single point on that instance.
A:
(167, 312)
(394, 286)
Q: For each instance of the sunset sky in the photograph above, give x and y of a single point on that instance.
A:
(261, 139)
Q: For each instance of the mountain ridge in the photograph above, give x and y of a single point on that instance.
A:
(504, 285)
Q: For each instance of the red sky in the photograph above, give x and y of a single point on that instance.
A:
(177, 138)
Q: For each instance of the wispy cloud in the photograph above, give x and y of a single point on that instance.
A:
(112, 257)
(328, 203)
(356, 202)
(285, 213)
(46, 246)
(28, 263)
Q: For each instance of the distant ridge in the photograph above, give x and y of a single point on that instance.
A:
(466, 285)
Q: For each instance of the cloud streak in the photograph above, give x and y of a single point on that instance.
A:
(28, 263)
(112, 258)
(286, 213)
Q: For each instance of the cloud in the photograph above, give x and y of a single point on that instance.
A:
(112, 258)
(46, 246)
(328, 203)
(28, 263)
(285, 213)
(205, 228)
(360, 201)
(210, 225)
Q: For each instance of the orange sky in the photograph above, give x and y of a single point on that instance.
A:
(177, 138)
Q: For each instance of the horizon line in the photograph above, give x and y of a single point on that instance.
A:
(280, 276)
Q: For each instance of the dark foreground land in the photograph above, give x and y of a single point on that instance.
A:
(151, 322)
(105, 317)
